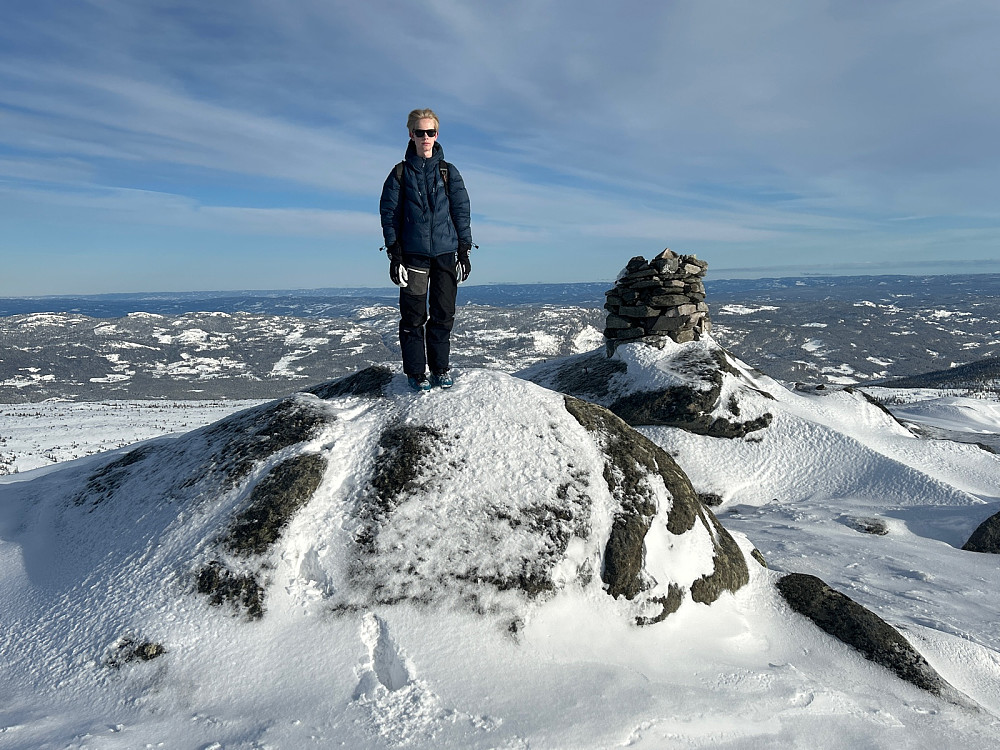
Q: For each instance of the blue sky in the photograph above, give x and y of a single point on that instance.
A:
(153, 145)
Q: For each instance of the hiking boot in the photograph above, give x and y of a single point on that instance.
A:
(442, 380)
(418, 382)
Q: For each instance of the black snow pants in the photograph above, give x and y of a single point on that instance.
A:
(432, 283)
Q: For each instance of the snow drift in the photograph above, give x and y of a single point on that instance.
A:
(498, 565)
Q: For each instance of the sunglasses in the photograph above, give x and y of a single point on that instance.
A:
(429, 133)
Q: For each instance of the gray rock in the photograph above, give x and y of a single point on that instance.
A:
(868, 525)
(666, 323)
(370, 382)
(638, 311)
(986, 538)
(636, 277)
(873, 637)
(591, 378)
(630, 458)
(683, 336)
(273, 502)
(669, 300)
(616, 321)
(691, 408)
(624, 333)
(129, 648)
(668, 264)
(652, 283)
(635, 264)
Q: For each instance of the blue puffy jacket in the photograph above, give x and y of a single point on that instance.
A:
(433, 219)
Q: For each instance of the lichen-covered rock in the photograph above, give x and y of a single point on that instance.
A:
(273, 502)
(130, 648)
(220, 455)
(986, 538)
(207, 469)
(631, 461)
(243, 591)
(862, 629)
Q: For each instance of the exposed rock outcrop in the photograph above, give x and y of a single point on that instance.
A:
(493, 496)
(630, 461)
(862, 629)
(986, 538)
(371, 382)
(698, 387)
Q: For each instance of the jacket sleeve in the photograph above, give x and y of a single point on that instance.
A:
(390, 209)
(458, 200)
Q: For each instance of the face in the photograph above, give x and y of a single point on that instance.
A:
(424, 143)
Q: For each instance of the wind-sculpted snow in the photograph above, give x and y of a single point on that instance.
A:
(361, 566)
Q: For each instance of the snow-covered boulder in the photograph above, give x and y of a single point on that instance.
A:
(697, 386)
(492, 496)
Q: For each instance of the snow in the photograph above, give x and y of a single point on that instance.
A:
(954, 413)
(744, 309)
(744, 672)
(588, 339)
(36, 435)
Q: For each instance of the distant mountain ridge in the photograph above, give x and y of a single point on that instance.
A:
(982, 375)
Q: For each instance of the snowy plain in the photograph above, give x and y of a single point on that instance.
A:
(744, 672)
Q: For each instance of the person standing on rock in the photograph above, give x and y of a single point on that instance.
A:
(425, 223)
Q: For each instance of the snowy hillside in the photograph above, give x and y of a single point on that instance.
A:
(500, 566)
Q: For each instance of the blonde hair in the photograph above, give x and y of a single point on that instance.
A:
(421, 114)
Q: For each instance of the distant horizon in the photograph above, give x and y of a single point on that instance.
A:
(815, 275)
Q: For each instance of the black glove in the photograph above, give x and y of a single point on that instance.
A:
(397, 271)
(464, 266)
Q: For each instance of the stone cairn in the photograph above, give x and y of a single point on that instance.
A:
(662, 298)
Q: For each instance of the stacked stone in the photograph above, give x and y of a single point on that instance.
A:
(664, 298)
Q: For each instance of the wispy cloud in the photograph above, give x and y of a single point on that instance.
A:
(741, 130)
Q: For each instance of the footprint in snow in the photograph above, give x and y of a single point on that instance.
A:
(401, 708)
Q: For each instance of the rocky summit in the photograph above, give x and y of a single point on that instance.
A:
(382, 550)
(374, 497)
